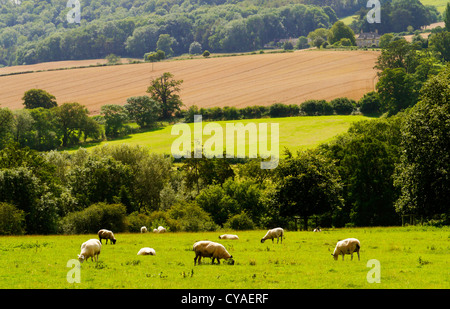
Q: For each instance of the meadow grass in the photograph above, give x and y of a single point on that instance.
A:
(295, 133)
(410, 257)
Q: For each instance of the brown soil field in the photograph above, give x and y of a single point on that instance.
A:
(238, 81)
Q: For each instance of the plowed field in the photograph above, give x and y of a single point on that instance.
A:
(240, 81)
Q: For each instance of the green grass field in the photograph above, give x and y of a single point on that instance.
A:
(410, 258)
(294, 132)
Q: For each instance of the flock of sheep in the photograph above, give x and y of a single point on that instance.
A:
(205, 248)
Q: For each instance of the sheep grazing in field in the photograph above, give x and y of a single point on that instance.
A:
(214, 250)
(346, 246)
(274, 233)
(106, 234)
(317, 229)
(160, 229)
(90, 249)
(143, 229)
(228, 236)
(147, 251)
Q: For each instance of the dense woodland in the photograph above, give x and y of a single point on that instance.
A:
(38, 31)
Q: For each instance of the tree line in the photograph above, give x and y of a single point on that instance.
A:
(31, 33)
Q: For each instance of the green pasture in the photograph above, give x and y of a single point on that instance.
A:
(409, 257)
(294, 132)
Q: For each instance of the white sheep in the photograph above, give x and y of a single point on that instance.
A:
(346, 246)
(228, 236)
(161, 229)
(155, 231)
(214, 250)
(274, 233)
(90, 249)
(143, 229)
(106, 234)
(147, 251)
(317, 229)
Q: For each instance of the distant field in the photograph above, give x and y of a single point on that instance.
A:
(294, 132)
(439, 4)
(409, 257)
(240, 81)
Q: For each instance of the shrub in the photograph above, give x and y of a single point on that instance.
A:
(370, 103)
(95, 217)
(240, 221)
(342, 106)
(231, 113)
(279, 110)
(12, 220)
(316, 107)
(192, 218)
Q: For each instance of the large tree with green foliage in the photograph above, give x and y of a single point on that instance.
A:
(70, 120)
(35, 98)
(164, 90)
(424, 169)
(308, 184)
(340, 31)
(397, 90)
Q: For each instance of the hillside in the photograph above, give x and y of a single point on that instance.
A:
(240, 81)
(295, 132)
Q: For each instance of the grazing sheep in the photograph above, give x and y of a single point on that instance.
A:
(161, 229)
(317, 229)
(143, 229)
(105, 234)
(90, 249)
(210, 249)
(147, 251)
(228, 236)
(346, 246)
(155, 231)
(274, 233)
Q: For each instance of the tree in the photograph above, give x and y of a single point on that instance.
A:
(164, 91)
(397, 90)
(6, 125)
(308, 184)
(164, 43)
(195, 48)
(115, 117)
(70, 119)
(34, 98)
(423, 172)
(440, 43)
(318, 37)
(340, 31)
(342, 106)
(155, 56)
(302, 43)
(370, 103)
(143, 110)
(398, 54)
(447, 17)
(366, 156)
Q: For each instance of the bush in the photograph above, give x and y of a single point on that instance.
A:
(12, 220)
(370, 103)
(279, 110)
(316, 107)
(342, 106)
(240, 221)
(95, 217)
(192, 218)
